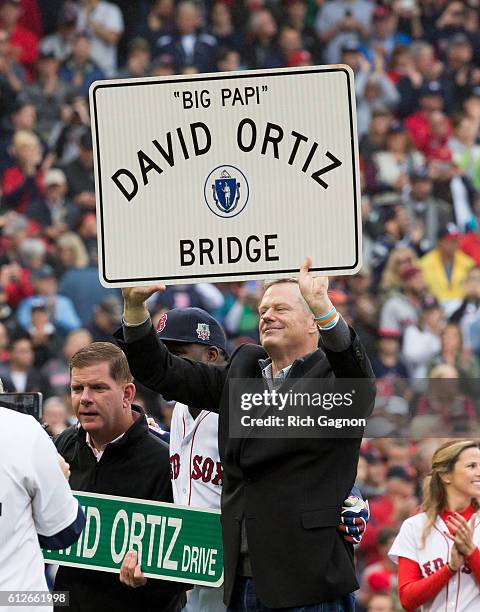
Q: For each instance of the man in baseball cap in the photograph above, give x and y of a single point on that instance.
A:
(196, 469)
(446, 267)
(192, 329)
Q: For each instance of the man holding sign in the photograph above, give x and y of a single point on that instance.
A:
(281, 499)
(113, 452)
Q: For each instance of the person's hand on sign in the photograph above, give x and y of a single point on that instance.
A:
(134, 298)
(131, 572)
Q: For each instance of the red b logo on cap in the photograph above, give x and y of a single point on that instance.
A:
(162, 322)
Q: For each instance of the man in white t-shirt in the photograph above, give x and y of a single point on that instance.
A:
(103, 21)
(37, 508)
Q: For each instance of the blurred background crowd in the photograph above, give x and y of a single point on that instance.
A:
(416, 302)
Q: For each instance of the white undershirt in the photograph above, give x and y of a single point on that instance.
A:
(19, 379)
(98, 453)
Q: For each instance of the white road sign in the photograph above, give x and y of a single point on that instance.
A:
(227, 176)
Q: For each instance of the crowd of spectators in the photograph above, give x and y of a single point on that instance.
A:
(415, 303)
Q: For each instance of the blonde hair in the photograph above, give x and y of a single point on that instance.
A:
(24, 138)
(390, 276)
(70, 240)
(444, 370)
(434, 491)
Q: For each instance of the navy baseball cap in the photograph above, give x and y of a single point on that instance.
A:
(432, 88)
(192, 326)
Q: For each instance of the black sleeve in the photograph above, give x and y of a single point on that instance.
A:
(408, 98)
(353, 363)
(178, 379)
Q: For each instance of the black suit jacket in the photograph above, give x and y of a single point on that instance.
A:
(289, 490)
(36, 381)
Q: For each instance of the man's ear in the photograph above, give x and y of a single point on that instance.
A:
(313, 329)
(129, 393)
(213, 354)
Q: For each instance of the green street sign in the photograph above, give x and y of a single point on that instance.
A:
(173, 542)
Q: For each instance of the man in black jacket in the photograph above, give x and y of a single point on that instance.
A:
(282, 498)
(112, 451)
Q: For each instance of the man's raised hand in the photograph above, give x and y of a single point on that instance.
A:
(134, 301)
(314, 290)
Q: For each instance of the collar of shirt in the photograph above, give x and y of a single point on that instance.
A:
(267, 373)
(98, 453)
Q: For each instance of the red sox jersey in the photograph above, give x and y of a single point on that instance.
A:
(195, 467)
(462, 592)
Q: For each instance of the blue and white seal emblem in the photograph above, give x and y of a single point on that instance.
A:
(226, 191)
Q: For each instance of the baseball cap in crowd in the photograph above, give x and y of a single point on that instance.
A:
(39, 303)
(432, 88)
(379, 581)
(46, 54)
(398, 471)
(192, 326)
(381, 12)
(410, 272)
(373, 456)
(299, 58)
(16, 2)
(449, 231)
(388, 332)
(46, 271)
(458, 40)
(55, 176)
(429, 302)
(351, 46)
(420, 174)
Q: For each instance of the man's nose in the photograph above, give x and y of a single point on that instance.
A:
(267, 315)
(85, 397)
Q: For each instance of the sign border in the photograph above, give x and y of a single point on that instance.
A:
(148, 502)
(215, 77)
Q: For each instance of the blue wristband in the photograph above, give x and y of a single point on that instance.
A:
(327, 316)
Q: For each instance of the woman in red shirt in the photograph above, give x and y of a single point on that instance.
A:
(23, 182)
(437, 549)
